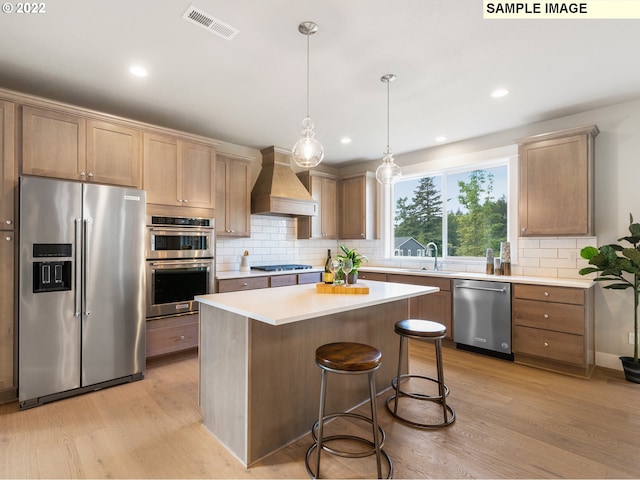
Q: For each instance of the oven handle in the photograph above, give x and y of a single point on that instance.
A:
(173, 231)
(180, 264)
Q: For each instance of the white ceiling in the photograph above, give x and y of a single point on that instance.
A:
(252, 90)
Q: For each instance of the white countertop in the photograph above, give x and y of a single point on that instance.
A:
(558, 282)
(281, 305)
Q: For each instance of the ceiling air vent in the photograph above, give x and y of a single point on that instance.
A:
(210, 23)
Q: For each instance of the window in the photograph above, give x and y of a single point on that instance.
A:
(475, 199)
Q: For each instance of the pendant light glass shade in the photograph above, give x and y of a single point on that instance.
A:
(307, 152)
(388, 172)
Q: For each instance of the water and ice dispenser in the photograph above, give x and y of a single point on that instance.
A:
(50, 272)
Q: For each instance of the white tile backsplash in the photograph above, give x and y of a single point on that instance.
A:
(274, 240)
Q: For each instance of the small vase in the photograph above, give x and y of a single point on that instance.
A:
(353, 278)
(631, 369)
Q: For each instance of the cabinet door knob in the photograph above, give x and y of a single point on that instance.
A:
(8, 222)
(181, 337)
(7, 238)
(523, 229)
(546, 294)
(546, 344)
(546, 315)
(185, 201)
(90, 174)
(82, 174)
(245, 284)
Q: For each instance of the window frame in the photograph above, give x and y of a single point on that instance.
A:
(505, 156)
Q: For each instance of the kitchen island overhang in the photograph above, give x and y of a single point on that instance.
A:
(259, 384)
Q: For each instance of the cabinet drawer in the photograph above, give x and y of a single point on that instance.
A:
(558, 346)
(283, 280)
(173, 334)
(236, 284)
(561, 317)
(375, 276)
(550, 294)
(313, 277)
(443, 284)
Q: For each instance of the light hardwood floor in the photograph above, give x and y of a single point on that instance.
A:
(512, 422)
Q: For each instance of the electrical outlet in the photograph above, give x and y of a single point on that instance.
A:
(630, 338)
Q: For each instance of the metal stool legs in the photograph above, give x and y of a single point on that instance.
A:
(448, 413)
(321, 442)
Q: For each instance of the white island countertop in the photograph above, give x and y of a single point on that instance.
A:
(282, 305)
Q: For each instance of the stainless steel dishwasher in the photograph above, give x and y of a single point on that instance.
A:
(482, 316)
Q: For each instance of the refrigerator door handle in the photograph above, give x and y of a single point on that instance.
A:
(77, 300)
(85, 266)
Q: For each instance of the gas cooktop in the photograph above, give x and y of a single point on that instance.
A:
(277, 268)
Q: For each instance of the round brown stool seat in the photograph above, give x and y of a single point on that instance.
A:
(351, 359)
(421, 330)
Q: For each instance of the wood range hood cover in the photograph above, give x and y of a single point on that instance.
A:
(278, 191)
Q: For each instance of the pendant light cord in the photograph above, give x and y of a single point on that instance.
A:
(308, 35)
(388, 108)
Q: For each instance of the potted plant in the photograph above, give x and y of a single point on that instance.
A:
(613, 261)
(355, 258)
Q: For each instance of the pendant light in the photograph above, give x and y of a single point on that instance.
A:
(388, 172)
(308, 152)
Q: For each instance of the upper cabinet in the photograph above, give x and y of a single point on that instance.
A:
(8, 171)
(557, 183)
(178, 172)
(324, 190)
(233, 197)
(63, 145)
(357, 207)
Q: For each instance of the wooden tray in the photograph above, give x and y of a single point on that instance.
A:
(358, 288)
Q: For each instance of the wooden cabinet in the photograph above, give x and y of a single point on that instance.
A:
(7, 315)
(238, 284)
(178, 172)
(233, 197)
(8, 191)
(375, 276)
(8, 170)
(266, 281)
(172, 334)
(553, 328)
(323, 189)
(557, 183)
(65, 145)
(311, 277)
(434, 306)
(357, 207)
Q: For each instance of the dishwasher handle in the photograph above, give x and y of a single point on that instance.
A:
(488, 289)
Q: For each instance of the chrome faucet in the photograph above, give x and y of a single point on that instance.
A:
(435, 262)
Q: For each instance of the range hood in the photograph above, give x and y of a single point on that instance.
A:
(278, 191)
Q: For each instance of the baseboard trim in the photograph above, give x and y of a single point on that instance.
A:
(608, 360)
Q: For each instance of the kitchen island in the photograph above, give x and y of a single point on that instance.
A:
(259, 384)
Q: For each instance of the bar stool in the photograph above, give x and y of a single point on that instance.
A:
(421, 330)
(351, 359)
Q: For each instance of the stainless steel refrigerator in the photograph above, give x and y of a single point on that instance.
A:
(81, 306)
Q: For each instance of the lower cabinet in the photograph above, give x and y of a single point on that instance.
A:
(434, 306)
(252, 283)
(553, 328)
(172, 334)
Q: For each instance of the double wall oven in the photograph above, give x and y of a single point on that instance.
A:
(180, 263)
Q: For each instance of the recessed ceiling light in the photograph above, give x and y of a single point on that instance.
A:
(499, 92)
(345, 141)
(138, 71)
(441, 138)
